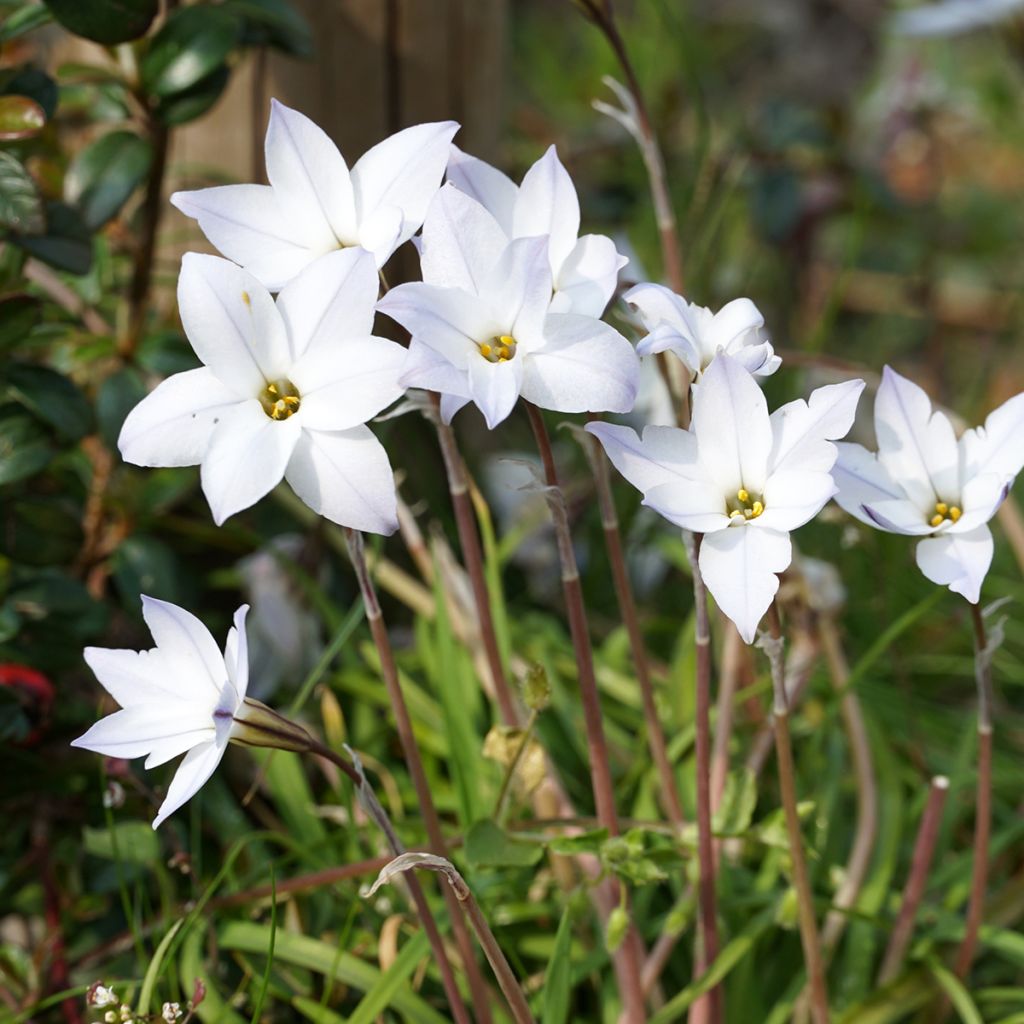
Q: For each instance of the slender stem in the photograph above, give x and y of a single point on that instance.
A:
(513, 767)
(472, 554)
(708, 946)
(983, 809)
(414, 762)
(627, 960)
(451, 988)
(627, 608)
(913, 891)
(787, 784)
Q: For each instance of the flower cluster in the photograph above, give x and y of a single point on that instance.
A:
(509, 307)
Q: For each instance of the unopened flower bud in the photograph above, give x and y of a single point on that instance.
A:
(618, 924)
(256, 725)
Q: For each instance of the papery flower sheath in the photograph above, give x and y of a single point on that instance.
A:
(285, 391)
(925, 483)
(695, 335)
(184, 695)
(314, 204)
(740, 477)
(482, 329)
(584, 270)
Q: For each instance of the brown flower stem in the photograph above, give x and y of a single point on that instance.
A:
(787, 785)
(627, 608)
(713, 1009)
(913, 891)
(983, 809)
(472, 555)
(451, 988)
(626, 957)
(403, 722)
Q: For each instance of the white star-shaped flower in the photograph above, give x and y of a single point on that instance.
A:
(740, 477)
(584, 271)
(285, 391)
(696, 335)
(924, 483)
(184, 695)
(314, 204)
(482, 330)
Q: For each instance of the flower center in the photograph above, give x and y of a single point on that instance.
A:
(744, 506)
(498, 350)
(945, 512)
(280, 399)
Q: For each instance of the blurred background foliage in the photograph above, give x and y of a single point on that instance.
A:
(861, 185)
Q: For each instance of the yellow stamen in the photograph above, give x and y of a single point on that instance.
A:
(734, 513)
(507, 340)
(937, 520)
(246, 299)
(743, 494)
(955, 513)
(941, 507)
(280, 399)
(485, 350)
(756, 510)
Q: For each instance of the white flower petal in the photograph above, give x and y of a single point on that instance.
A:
(310, 180)
(587, 279)
(333, 298)
(246, 225)
(695, 505)
(898, 515)
(518, 291)
(917, 447)
(794, 497)
(584, 366)
(172, 425)
(135, 731)
(450, 404)
(232, 323)
(657, 304)
(238, 661)
(730, 419)
(740, 567)
(733, 321)
(980, 500)
(491, 188)
(666, 338)
(164, 750)
(349, 383)
(759, 359)
(861, 480)
(959, 561)
(187, 643)
(801, 430)
(192, 773)
(998, 447)
(246, 458)
(345, 477)
(462, 242)
(663, 455)
(381, 232)
(405, 171)
(495, 387)
(427, 369)
(547, 205)
(136, 678)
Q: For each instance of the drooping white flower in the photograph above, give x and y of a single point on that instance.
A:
(584, 271)
(696, 335)
(482, 330)
(184, 695)
(314, 204)
(740, 477)
(285, 391)
(924, 483)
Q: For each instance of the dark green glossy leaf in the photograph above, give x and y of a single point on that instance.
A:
(105, 21)
(103, 176)
(51, 397)
(21, 209)
(194, 42)
(274, 23)
(18, 315)
(25, 448)
(31, 82)
(145, 565)
(489, 845)
(26, 18)
(192, 103)
(40, 531)
(132, 841)
(20, 118)
(66, 243)
(118, 395)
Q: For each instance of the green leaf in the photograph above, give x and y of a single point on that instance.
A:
(18, 316)
(558, 977)
(118, 395)
(105, 21)
(51, 397)
(488, 845)
(213, 1009)
(958, 994)
(186, 106)
(145, 565)
(133, 842)
(20, 118)
(585, 842)
(66, 243)
(155, 967)
(193, 42)
(103, 176)
(381, 995)
(31, 82)
(273, 23)
(26, 18)
(39, 531)
(24, 447)
(21, 208)
(739, 799)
